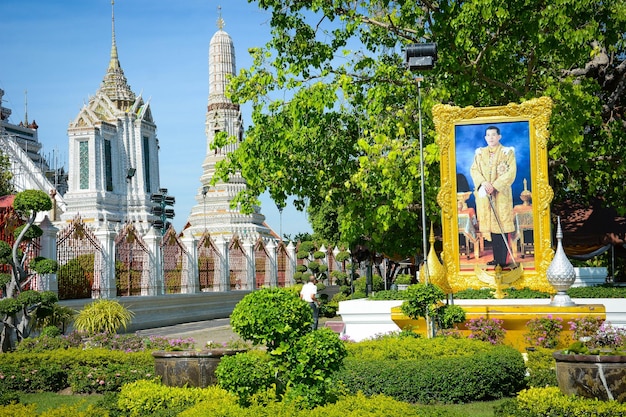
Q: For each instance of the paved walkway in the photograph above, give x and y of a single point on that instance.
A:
(217, 330)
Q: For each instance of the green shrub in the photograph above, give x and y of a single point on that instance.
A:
(308, 366)
(245, 374)
(271, 316)
(18, 410)
(8, 396)
(389, 295)
(42, 343)
(393, 347)
(550, 402)
(377, 284)
(108, 377)
(20, 376)
(75, 410)
(102, 316)
(526, 293)
(541, 368)
(434, 370)
(144, 398)
(598, 291)
(51, 331)
(472, 294)
(51, 370)
(355, 405)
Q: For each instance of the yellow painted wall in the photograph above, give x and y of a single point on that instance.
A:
(514, 319)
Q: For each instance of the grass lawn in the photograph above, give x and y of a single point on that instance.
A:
(50, 400)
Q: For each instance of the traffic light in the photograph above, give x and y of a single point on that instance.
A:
(161, 210)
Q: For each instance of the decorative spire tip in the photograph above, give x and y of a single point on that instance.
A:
(220, 21)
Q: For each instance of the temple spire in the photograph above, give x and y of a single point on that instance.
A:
(114, 84)
(220, 21)
(114, 62)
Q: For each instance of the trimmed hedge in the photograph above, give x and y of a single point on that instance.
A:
(86, 371)
(439, 374)
(550, 402)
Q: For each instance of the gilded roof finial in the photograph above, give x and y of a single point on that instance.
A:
(220, 21)
(114, 59)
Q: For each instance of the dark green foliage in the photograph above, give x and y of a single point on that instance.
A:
(389, 295)
(526, 293)
(245, 374)
(271, 316)
(301, 361)
(8, 397)
(433, 370)
(483, 376)
(88, 371)
(599, 291)
(313, 357)
(9, 306)
(51, 331)
(421, 300)
(44, 265)
(29, 297)
(89, 379)
(33, 231)
(29, 201)
(541, 368)
(377, 284)
(5, 252)
(4, 279)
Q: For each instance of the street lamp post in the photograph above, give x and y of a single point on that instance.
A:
(205, 190)
(420, 57)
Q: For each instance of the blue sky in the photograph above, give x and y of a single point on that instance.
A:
(58, 50)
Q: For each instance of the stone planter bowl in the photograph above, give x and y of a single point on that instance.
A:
(592, 376)
(193, 368)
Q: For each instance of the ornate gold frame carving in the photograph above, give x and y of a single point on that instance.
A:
(536, 113)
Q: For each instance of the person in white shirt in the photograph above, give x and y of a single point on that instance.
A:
(309, 294)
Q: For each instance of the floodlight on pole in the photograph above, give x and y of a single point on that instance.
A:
(420, 57)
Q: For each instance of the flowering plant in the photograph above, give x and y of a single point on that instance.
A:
(594, 335)
(585, 326)
(487, 330)
(232, 344)
(544, 331)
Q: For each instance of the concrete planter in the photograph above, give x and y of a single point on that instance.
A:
(365, 318)
(188, 367)
(592, 376)
(590, 276)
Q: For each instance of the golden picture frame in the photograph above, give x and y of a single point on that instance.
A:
(460, 131)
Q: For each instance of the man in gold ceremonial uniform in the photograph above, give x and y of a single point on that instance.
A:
(493, 172)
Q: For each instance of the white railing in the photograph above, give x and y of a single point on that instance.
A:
(27, 174)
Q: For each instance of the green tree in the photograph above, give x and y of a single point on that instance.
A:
(6, 176)
(335, 121)
(17, 306)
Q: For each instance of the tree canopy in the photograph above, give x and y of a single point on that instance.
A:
(335, 118)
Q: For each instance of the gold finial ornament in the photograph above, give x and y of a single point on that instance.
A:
(220, 21)
(436, 271)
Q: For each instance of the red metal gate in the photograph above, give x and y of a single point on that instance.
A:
(261, 264)
(207, 261)
(131, 261)
(173, 255)
(79, 254)
(237, 263)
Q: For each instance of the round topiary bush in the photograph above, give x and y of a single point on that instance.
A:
(270, 316)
